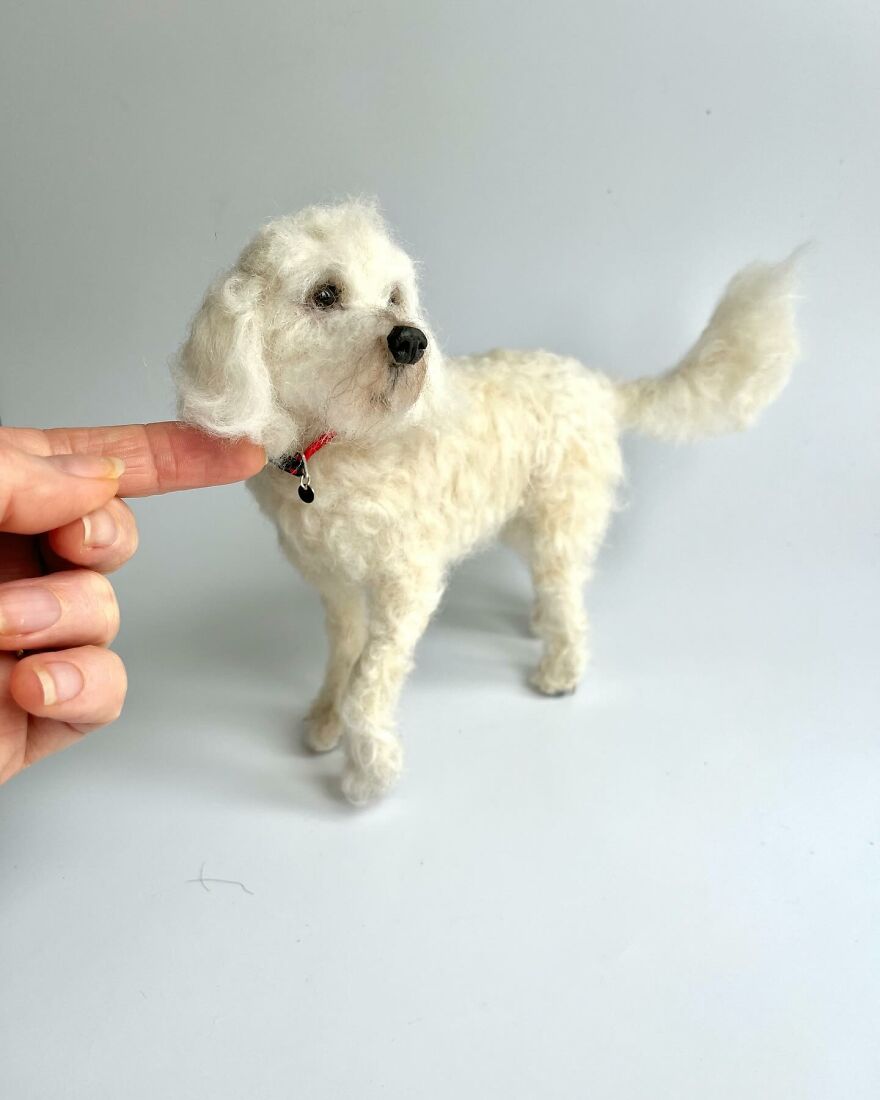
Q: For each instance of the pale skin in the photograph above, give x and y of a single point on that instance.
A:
(63, 528)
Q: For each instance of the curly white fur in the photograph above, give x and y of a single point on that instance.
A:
(435, 458)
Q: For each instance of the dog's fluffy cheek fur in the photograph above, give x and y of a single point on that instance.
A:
(338, 376)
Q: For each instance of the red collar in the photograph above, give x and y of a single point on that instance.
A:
(297, 464)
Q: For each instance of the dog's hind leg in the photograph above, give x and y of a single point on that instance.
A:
(559, 619)
(564, 530)
(399, 610)
(346, 621)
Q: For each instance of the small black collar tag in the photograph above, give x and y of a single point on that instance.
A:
(298, 465)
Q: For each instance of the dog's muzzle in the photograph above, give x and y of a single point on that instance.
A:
(406, 344)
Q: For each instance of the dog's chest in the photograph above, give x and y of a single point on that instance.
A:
(375, 519)
(350, 530)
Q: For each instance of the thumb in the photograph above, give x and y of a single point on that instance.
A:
(38, 494)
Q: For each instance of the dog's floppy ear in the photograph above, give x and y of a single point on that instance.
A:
(222, 380)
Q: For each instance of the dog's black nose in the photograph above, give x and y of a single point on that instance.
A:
(406, 344)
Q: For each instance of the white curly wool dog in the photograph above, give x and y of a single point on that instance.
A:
(315, 343)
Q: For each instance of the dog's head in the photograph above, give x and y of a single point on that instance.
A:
(317, 328)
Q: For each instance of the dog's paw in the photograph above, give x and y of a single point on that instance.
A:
(558, 674)
(323, 728)
(375, 761)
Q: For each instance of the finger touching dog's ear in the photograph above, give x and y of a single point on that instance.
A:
(223, 383)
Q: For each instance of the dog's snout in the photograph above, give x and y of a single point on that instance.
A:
(407, 344)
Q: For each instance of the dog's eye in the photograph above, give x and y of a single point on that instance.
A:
(326, 296)
(394, 297)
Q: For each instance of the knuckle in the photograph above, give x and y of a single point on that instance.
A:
(121, 684)
(127, 522)
(103, 598)
(7, 497)
(110, 684)
(122, 679)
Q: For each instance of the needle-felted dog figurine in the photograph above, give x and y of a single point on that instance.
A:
(388, 463)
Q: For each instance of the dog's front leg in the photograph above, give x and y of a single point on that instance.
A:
(346, 619)
(399, 610)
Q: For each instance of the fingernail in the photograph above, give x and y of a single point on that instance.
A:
(99, 529)
(28, 609)
(105, 466)
(60, 682)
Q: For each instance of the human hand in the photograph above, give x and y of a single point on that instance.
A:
(62, 528)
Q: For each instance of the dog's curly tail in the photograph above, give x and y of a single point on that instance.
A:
(739, 364)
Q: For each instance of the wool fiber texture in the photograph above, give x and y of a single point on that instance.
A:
(433, 458)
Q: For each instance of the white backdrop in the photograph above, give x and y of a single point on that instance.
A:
(666, 886)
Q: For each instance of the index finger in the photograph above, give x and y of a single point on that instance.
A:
(159, 458)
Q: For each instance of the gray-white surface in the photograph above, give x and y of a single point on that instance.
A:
(666, 886)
